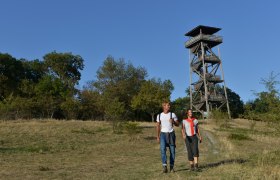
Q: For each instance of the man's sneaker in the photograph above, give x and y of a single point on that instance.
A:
(192, 167)
(196, 167)
(164, 169)
(172, 169)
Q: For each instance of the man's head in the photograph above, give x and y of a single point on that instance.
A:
(166, 106)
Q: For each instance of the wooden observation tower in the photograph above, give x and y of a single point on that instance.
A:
(206, 92)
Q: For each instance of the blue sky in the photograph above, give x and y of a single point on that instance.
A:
(148, 33)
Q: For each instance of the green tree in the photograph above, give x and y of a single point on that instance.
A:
(91, 107)
(267, 103)
(180, 105)
(270, 99)
(118, 81)
(34, 70)
(66, 67)
(236, 105)
(70, 107)
(152, 93)
(50, 93)
(11, 74)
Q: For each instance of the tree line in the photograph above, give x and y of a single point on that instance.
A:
(47, 88)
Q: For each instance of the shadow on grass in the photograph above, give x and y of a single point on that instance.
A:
(211, 165)
(147, 127)
(150, 138)
(40, 149)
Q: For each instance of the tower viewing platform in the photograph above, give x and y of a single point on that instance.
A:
(203, 34)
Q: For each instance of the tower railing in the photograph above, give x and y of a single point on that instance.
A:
(203, 37)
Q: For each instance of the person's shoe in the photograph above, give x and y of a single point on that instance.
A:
(164, 169)
(196, 167)
(172, 170)
(192, 167)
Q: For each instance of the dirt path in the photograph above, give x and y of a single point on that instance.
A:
(211, 142)
(209, 150)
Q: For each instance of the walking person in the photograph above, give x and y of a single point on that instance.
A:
(191, 135)
(166, 135)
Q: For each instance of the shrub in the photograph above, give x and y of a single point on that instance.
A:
(132, 128)
(221, 118)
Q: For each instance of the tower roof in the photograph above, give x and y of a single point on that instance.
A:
(205, 30)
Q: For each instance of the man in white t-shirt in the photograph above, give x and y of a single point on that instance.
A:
(166, 135)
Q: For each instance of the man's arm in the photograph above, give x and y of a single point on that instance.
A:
(158, 131)
(176, 123)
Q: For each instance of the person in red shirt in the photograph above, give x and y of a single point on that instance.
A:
(191, 134)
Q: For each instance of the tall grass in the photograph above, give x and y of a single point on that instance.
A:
(221, 118)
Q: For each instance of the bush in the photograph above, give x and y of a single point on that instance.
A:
(221, 118)
(132, 128)
(118, 126)
(268, 117)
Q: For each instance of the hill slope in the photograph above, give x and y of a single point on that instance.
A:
(89, 150)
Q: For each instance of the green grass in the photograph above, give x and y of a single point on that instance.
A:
(239, 137)
(91, 150)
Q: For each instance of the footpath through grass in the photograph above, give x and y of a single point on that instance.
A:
(90, 150)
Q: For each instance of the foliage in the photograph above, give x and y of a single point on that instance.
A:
(132, 128)
(11, 73)
(70, 108)
(236, 105)
(65, 66)
(221, 118)
(267, 104)
(179, 106)
(47, 89)
(152, 93)
(90, 107)
(118, 82)
(38, 89)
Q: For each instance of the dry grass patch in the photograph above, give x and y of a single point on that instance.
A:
(90, 150)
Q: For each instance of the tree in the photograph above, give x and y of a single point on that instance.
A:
(91, 107)
(267, 103)
(180, 105)
(50, 92)
(11, 74)
(34, 70)
(66, 67)
(152, 93)
(70, 108)
(269, 99)
(118, 81)
(236, 105)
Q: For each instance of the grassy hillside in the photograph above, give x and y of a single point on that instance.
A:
(89, 150)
